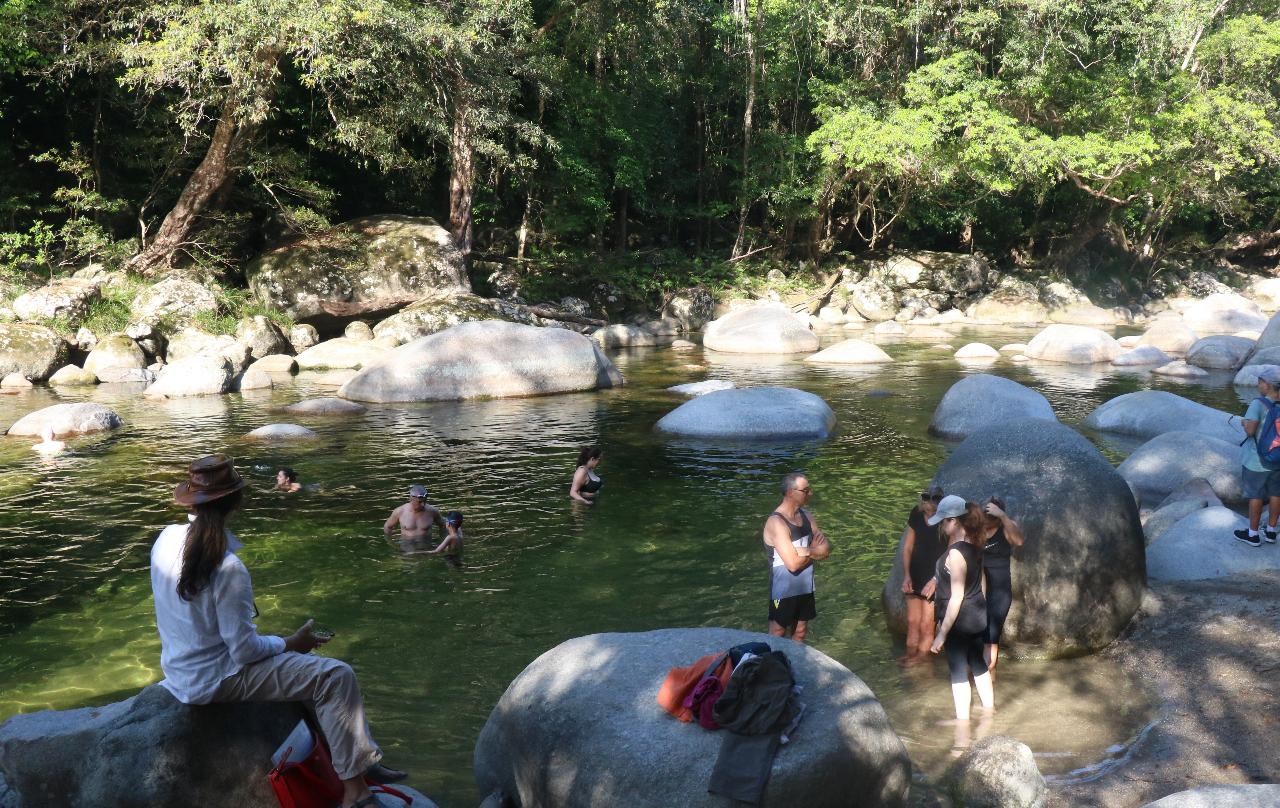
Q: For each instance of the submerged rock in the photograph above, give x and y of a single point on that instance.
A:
(1180, 370)
(545, 744)
(1147, 413)
(982, 400)
(327, 405)
(67, 419)
(693, 389)
(765, 328)
(752, 413)
(281, 432)
(997, 772)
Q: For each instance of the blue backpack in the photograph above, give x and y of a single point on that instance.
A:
(1268, 435)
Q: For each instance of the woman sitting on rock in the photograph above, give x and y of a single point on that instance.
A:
(1001, 535)
(586, 483)
(211, 650)
(921, 548)
(960, 602)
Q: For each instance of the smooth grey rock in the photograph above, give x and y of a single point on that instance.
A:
(1084, 314)
(71, 375)
(190, 341)
(31, 350)
(1080, 576)
(1219, 352)
(851, 352)
(1265, 292)
(683, 345)
(67, 419)
(490, 359)
(619, 335)
(1224, 313)
(262, 336)
(84, 339)
(1200, 546)
(1172, 459)
(1180, 370)
(281, 432)
(693, 307)
(1147, 413)
(1142, 355)
(1073, 344)
(694, 389)
(831, 314)
(119, 375)
(982, 400)
(115, 351)
(1166, 516)
(303, 336)
(889, 328)
(62, 299)
(977, 350)
(357, 330)
(275, 363)
(253, 379)
(326, 405)
(1013, 348)
(150, 340)
(752, 413)
(873, 299)
(199, 375)
(546, 745)
(1198, 490)
(997, 772)
(765, 328)
(1169, 334)
(439, 311)
(1248, 375)
(342, 353)
(1232, 796)
(1131, 341)
(175, 299)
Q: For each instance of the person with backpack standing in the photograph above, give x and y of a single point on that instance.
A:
(1259, 478)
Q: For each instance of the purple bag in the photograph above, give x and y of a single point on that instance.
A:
(702, 699)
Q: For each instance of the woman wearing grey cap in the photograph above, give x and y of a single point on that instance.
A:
(962, 607)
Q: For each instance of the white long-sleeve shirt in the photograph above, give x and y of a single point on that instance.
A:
(212, 636)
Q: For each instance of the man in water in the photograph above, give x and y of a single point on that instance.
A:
(415, 517)
(793, 542)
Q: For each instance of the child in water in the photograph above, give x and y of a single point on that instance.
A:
(451, 544)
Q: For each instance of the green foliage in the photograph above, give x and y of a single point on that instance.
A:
(234, 305)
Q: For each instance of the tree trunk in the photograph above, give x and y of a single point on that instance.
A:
(753, 32)
(620, 234)
(461, 176)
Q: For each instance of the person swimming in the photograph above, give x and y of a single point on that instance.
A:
(287, 481)
(451, 545)
(48, 446)
(586, 482)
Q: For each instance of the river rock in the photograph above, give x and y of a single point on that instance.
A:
(851, 352)
(1188, 498)
(1224, 313)
(982, 400)
(490, 359)
(342, 353)
(1013, 348)
(326, 405)
(275, 363)
(1073, 344)
(1180, 370)
(1219, 352)
(303, 336)
(361, 261)
(119, 375)
(872, 299)
(764, 328)
(977, 350)
(65, 299)
(281, 432)
(199, 375)
(928, 332)
(1131, 341)
(150, 340)
(174, 300)
(16, 381)
(1013, 301)
(84, 339)
(1141, 356)
(695, 389)
(253, 379)
(262, 336)
(436, 312)
(752, 413)
(357, 331)
(33, 350)
(1202, 546)
(997, 772)
(683, 345)
(546, 745)
(693, 307)
(70, 375)
(1080, 576)
(1265, 292)
(1084, 314)
(1172, 459)
(114, 351)
(67, 419)
(629, 336)
(832, 315)
(1224, 796)
(1147, 413)
(1169, 334)
(889, 328)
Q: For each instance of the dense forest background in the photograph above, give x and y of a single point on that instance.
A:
(640, 137)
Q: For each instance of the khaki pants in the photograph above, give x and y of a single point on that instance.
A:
(329, 685)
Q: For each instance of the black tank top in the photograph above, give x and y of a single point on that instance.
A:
(973, 609)
(998, 551)
(592, 484)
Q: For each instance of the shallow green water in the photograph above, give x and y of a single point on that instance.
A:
(674, 541)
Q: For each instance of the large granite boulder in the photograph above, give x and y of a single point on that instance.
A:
(1224, 313)
(65, 299)
(262, 337)
(358, 262)
(33, 350)
(752, 413)
(1219, 352)
(436, 312)
(1147, 413)
(489, 359)
(342, 352)
(1169, 334)
(199, 375)
(114, 351)
(851, 352)
(1172, 459)
(997, 772)
(693, 308)
(1073, 344)
(764, 328)
(982, 400)
(1080, 576)
(1223, 796)
(1201, 546)
(67, 419)
(173, 300)
(546, 745)
(872, 299)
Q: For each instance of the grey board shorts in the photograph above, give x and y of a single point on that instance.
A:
(1259, 484)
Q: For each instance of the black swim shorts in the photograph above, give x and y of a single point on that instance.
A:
(789, 611)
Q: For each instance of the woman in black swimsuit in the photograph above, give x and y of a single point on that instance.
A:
(1001, 535)
(961, 604)
(920, 550)
(586, 483)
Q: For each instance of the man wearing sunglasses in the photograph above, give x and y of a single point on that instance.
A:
(415, 517)
(793, 542)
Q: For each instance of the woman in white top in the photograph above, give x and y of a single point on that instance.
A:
(211, 650)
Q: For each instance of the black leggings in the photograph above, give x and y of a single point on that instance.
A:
(964, 654)
(999, 599)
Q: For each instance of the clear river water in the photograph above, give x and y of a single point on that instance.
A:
(673, 541)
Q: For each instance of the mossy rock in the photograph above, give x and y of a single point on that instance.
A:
(438, 312)
(32, 350)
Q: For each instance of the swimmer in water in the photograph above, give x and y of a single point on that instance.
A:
(48, 446)
(451, 545)
(415, 517)
(287, 481)
(586, 483)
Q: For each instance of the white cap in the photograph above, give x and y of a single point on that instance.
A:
(950, 505)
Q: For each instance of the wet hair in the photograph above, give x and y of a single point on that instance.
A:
(789, 481)
(974, 522)
(454, 518)
(290, 474)
(206, 544)
(589, 453)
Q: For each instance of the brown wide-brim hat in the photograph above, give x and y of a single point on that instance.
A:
(211, 477)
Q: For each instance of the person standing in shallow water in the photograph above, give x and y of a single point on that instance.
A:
(960, 603)
(586, 482)
(921, 548)
(210, 650)
(793, 542)
(1001, 534)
